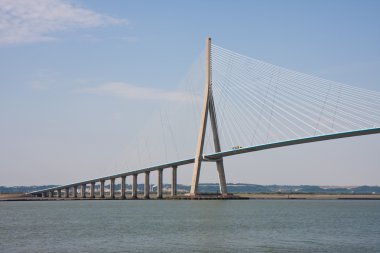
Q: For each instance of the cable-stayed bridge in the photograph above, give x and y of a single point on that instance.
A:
(245, 105)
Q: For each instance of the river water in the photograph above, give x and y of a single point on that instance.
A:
(191, 226)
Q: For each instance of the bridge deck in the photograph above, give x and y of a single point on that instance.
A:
(219, 155)
(294, 142)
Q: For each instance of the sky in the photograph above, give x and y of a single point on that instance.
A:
(78, 79)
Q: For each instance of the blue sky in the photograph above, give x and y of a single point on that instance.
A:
(59, 122)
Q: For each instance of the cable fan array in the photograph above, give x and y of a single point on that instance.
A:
(170, 132)
(258, 103)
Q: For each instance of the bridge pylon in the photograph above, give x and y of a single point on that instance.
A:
(208, 110)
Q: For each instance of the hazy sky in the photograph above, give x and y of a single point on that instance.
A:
(79, 78)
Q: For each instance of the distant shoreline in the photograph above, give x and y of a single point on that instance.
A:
(252, 196)
(301, 196)
(235, 188)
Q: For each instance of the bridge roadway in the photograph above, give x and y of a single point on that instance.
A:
(57, 191)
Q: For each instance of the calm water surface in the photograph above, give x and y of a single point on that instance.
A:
(191, 226)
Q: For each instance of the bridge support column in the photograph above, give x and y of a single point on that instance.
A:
(146, 185)
(174, 181)
(134, 186)
(102, 189)
(43, 195)
(208, 107)
(50, 194)
(83, 191)
(159, 184)
(58, 193)
(112, 188)
(122, 195)
(75, 191)
(92, 190)
(67, 191)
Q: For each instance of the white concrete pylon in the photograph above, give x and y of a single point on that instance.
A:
(208, 109)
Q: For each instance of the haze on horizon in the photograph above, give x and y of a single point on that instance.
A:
(80, 79)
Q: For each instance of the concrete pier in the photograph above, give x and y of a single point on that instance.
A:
(146, 185)
(174, 181)
(102, 189)
(43, 195)
(122, 195)
(67, 191)
(92, 190)
(75, 191)
(50, 194)
(83, 191)
(134, 186)
(58, 193)
(112, 188)
(159, 184)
